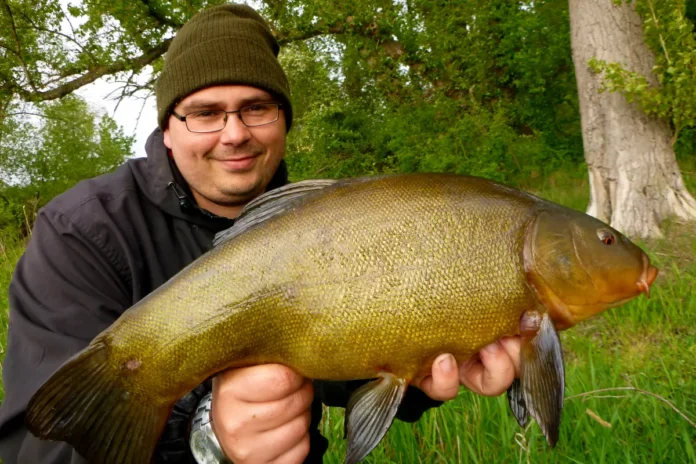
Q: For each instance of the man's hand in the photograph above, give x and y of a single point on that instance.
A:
(261, 414)
(490, 372)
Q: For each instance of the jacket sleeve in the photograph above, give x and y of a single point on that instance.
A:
(66, 289)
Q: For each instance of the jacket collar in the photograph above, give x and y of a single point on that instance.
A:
(167, 188)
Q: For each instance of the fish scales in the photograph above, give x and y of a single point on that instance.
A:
(320, 283)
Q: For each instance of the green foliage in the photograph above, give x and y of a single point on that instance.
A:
(46, 149)
(10, 251)
(669, 34)
(483, 88)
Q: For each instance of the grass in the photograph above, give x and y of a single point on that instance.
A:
(10, 251)
(645, 351)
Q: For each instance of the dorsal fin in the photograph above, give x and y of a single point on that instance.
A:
(271, 204)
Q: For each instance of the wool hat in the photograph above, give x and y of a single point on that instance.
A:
(226, 44)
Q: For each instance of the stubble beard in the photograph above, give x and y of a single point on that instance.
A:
(236, 196)
(232, 194)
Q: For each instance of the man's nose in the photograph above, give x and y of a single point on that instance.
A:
(235, 132)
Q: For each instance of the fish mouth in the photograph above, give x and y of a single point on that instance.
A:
(647, 277)
(566, 315)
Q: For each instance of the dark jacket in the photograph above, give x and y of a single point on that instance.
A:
(95, 251)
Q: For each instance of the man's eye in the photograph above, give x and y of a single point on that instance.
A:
(255, 108)
(205, 114)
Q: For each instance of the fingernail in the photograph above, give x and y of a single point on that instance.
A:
(447, 364)
(493, 348)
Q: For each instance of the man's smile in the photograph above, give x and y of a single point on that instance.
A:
(238, 164)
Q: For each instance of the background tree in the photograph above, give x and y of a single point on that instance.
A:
(635, 181)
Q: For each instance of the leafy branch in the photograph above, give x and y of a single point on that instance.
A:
(95, 73)
(18, 52)
(159, 17)
(669, 34)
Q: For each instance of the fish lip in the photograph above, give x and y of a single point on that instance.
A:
(647, 277)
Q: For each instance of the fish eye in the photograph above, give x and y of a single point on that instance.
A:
(606, 237)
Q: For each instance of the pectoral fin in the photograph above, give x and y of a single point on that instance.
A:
(517, 405)
(542, 376)
(369, 414)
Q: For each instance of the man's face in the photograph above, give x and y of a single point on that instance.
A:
(226, 169)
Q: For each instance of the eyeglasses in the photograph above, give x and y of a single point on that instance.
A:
(258, 114)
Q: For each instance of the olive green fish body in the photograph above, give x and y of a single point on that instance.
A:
(320, 291)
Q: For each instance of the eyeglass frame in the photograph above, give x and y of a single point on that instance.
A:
(181, 118)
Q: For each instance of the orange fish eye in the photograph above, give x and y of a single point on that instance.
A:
(606, 237)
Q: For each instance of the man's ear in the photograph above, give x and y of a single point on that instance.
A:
(167, 139)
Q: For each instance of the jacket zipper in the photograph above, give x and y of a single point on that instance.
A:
(184, 201)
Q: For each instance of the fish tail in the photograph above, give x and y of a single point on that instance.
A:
(88, 405)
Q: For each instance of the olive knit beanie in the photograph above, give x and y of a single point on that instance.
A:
(226, 44)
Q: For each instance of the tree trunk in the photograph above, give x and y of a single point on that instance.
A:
(635, 181)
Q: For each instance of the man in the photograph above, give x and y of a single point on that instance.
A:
(224, 111)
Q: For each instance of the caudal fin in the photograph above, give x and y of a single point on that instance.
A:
(86, 404)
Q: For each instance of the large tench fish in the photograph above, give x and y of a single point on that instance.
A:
(355, 279)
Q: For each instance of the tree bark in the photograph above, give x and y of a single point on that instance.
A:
(635, 182)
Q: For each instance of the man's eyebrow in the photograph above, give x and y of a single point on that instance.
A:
(197, 105)
(262, 97)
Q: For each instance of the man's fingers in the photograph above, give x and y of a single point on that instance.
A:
(492, 374)
(512, 346)
(271, 445)
(443, 383)
(286, 436)
(260, 417)
(277, 413)
(266, 382)
(260, 412)
(296, 455)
